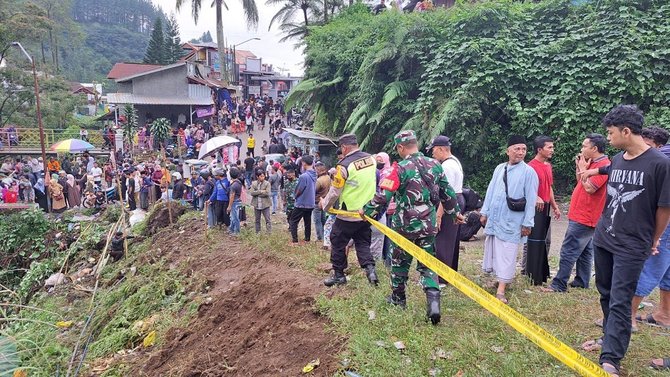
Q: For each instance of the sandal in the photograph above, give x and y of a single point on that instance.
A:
(652, 322)
(665, 364)
(611, 369)
(502, 298)
(593, 345)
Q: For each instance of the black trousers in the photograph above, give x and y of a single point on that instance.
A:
(537, 260)
(342, 232)
(616, 280)
(131, 202)
(221, 213)
(298, 214)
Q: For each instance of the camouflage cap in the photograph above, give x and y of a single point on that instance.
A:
(404, 136)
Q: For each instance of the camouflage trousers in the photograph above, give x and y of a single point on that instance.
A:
(402, 261)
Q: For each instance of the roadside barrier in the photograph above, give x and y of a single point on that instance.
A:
(523, 325)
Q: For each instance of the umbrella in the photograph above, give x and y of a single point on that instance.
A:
(71, 145)
(216, 143)
(195, 162)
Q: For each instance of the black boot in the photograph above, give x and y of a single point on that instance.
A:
(338, 278)
(397, 300)
(433, 305)
(371, 274)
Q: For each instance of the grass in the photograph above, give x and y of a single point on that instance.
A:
(475, 343)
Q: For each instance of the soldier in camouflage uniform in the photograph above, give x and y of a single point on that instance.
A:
(418, 185)
(289, 191)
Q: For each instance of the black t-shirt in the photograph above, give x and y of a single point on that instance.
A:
(249, 163)
(635, 188)
(236, 187)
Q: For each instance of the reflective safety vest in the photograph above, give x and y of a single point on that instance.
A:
(361, 183)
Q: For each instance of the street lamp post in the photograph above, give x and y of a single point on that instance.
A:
(235, 69)
(37, 103)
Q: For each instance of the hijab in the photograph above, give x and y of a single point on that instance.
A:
(70, 180)
(40, 185)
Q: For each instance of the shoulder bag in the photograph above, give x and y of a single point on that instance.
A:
(516, 205)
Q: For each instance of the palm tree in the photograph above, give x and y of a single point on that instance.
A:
(250, 13)
(289, 10)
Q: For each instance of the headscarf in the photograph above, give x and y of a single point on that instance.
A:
(70, 180)
(385, 158)
(39, 185)
(54, 177)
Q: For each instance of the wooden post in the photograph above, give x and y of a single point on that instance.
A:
(206, 218)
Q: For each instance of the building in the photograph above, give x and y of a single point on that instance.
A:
(181, 92)
(250, 75)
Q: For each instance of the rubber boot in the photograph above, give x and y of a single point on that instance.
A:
(397, 300)
(433, 305)
(338, 278)
(371, 274)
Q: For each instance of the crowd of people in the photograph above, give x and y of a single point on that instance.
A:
(619, 210)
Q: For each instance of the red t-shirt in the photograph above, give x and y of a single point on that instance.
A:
(545, 177)
(586, 208)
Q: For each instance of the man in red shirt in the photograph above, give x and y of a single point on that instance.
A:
(586, 205)
(537, 260)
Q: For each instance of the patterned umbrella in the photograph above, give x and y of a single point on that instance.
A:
(71, 145)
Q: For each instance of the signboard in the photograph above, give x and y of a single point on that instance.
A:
(253, 65)
(255, 90)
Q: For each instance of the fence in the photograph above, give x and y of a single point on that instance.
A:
(24, 138)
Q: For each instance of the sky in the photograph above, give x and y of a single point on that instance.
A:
(235, 30)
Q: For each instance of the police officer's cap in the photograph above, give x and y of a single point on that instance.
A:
(348, 139)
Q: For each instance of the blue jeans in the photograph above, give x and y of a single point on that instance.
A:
(235, 217)
(247, 177)
(319, 222)
(211, 215)
(577, 248)
(275, 196)
(656, 270)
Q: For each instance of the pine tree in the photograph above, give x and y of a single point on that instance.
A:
(173, 50)
(156, 50)
(206, 37)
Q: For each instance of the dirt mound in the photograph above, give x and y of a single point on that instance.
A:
(159, 218)
(261, 320)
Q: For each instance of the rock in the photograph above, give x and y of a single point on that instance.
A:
(55, 279)
(133, 270)
(137, 217)
(399, 345)
(371, 315)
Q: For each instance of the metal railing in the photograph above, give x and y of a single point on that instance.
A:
(29, 138)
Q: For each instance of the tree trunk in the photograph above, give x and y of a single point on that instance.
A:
(56, 51)
(44, 60)
(220, 43)
(325, 11)
(304, 13)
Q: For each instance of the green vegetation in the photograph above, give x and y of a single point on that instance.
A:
(469, 339)
(478, 72)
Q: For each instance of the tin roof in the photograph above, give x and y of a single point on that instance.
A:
(307, 134)
(120, 70)
(136, 99)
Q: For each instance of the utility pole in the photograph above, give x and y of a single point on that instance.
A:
(37, 104)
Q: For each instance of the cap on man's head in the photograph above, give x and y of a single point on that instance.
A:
(348, 139)
(403, 137)
(440, 141)
(515, 139)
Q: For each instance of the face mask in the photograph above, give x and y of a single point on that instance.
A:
(380, 165)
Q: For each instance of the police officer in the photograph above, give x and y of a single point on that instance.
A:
(418, 185)
(354, 184)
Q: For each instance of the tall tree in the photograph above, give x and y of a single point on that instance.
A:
(285, 16)
(156, 50)
(250, 13)
(206, 37)
(173, 50)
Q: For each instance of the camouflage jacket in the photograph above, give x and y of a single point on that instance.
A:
(289, 192)
(415, 215)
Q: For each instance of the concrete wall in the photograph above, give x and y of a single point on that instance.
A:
(168, 83)
(124, 87)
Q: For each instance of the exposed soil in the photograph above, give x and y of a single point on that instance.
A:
(159, 218)
(260, 321)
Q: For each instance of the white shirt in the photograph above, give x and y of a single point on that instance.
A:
(96, 173)
(454, 172)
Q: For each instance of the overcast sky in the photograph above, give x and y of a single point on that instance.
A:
(235, 31)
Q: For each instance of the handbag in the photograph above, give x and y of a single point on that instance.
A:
(516, 205)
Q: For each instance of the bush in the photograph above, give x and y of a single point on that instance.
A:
(479, 72)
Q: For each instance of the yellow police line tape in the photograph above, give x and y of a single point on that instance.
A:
(535, 333)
